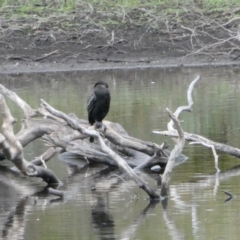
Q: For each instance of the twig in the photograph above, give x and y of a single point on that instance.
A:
(45, 56)
(214, 153)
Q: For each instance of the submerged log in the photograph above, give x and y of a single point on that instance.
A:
(121, 163)
(113, 146)
(67, 133)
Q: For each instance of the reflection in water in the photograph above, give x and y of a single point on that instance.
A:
(102, 219)
(196, 194)
(15, 225)
(131, 230)
(173, 231)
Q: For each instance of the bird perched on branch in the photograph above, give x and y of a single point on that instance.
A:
(98, 104)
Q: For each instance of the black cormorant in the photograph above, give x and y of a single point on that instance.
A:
(98, 104)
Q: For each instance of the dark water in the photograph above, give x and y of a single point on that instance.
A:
(118, 209)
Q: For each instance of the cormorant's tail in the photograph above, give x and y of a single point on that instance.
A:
(91, 139)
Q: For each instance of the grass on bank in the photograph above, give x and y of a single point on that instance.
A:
(24, 8)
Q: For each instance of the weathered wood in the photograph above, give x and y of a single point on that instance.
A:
(13, 151)
(179, 144)
(184, 108)
(194, 137)
(197, 138)
(93, 133)
(67, 133)
(154, 160)
(28, 111)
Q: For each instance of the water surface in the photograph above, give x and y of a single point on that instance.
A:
(118, 209)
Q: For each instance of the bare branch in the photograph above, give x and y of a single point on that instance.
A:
(90, 132)
(28, 111)
(214, 153)
(13, 151)
(179, 144)
(197, 138)
(184, 108)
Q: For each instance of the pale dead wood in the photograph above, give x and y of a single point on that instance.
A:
(214, 153)
(45, 56)
(184, 108)
(93, 133)
(46, 156)
(144, 147)
(179, 144)
(175, 127)
(28, 111)
(197, 138)
(56, 134)
(13, 151)
(110, 133)
(60, 138)
(154, 160)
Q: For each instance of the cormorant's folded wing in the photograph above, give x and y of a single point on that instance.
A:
(91, 102)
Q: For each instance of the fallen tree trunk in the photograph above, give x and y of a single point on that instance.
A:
(66, 133)
(12, 149)
(93, 133)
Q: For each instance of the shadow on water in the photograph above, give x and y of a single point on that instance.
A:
(102, 203)
(102, 218)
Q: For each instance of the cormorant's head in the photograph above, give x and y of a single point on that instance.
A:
(101, 83)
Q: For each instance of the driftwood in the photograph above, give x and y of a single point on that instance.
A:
(180, 142)
(113, 155)
(67, 133)
(64, 133)
(12, 149)
(197, 139)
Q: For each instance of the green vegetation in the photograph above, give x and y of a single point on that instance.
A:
(23, 8)
(102, 24)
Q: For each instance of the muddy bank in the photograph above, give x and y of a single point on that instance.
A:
(17, 67)
(91, 39)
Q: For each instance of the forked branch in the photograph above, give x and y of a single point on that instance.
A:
(73, 123)
(179, 144)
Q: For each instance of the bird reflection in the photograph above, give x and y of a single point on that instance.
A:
(102, 219)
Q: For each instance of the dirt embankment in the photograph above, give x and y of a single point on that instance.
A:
(88, 38)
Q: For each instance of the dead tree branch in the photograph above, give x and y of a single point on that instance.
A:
(184, 108)
(73, 123)
(13, 151)
(197, 138)
(179, 144)
(174, 126)
(28, 111)
(214, 153)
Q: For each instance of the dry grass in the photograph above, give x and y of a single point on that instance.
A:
(190, 27)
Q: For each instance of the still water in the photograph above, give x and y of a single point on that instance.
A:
(117, 209)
